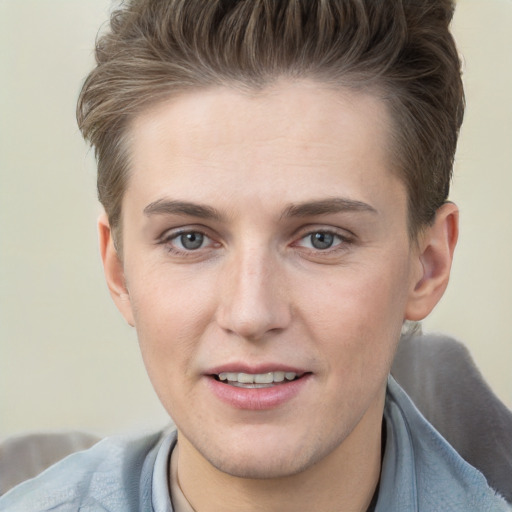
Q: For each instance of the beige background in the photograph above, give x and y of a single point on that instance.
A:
(66, 358)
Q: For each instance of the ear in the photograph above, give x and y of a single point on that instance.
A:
(114, 271)
(435, 252)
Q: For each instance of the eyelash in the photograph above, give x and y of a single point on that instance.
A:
(344, 242)
(168, 238)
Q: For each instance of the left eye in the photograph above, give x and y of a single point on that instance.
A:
(189, 241)
(321, 240)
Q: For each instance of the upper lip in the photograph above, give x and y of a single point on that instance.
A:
(254, 369)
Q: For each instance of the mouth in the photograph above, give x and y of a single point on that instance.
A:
(257, 380)
(257, 389)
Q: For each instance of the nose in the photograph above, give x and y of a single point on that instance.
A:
(253, 300)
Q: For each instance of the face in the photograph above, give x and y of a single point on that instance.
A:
(268, 270)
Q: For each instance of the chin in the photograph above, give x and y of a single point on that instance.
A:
(260, 457)
(260, 469)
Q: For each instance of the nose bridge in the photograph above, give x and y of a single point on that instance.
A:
(253, 301)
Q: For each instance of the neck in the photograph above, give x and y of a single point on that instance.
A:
(343, 481)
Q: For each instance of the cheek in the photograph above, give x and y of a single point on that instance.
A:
(359, 314)
(171, 314)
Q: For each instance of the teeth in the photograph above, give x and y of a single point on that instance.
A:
(257, 378)
(246, 378)
(278, 376)
(264, 378)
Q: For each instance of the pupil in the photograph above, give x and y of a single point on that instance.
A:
(322, 240)
(192, 240)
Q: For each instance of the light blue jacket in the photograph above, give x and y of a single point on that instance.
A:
(420, 473)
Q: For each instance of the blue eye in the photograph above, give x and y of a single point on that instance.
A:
(321, 240)
(190, 241)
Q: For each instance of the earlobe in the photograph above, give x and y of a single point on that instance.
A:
(114, 271)
(435, 253)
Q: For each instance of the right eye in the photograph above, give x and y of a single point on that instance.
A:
(189, 241)
(186, 242)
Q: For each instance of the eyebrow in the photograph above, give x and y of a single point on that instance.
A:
(306, 209)
(326, 207)
(169, 207)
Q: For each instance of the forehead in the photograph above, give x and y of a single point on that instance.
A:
(291, 141)
(250, 116)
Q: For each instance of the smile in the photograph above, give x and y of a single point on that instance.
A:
(256, 380)
(257, 391)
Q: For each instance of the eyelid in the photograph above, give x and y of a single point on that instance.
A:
(166, 239)
(170, 233)
(341, 238)
(343, 233)
(346, 242)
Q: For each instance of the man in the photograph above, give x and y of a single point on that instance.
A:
(275, 179)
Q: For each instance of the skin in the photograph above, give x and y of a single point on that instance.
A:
(268, 170)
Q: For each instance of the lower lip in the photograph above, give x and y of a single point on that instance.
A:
(257, 399)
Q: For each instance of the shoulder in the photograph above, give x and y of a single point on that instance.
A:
(113, 475)
(422, 470)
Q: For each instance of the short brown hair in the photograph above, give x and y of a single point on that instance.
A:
(401, 50)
